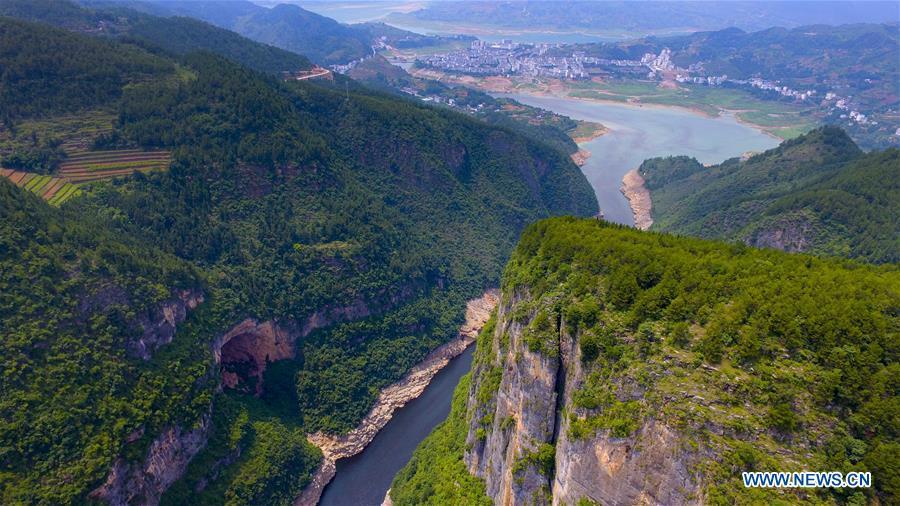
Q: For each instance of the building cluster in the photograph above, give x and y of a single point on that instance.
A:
(659, 63)
(764, 84)
(507, 58)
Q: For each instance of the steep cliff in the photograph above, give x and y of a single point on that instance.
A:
(626, 367)
(525, 431)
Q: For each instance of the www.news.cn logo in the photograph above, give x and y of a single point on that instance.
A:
(807, 479)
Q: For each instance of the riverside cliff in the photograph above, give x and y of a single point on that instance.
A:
(624, 367)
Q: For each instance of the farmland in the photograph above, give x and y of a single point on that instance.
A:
(84, 167)
(94, 165)
(55, 190)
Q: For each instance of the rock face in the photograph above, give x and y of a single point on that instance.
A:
(519, 437)
(166, 460)
(394, 397)
(159, 325)
(638, 198)
(792, 232)
(251, 344)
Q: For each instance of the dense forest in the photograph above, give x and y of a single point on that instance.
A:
(283, 201)
(818, 193)
(537, 124)
(175, 36)
(756, 359)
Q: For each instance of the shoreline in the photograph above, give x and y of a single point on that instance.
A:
(624, 103)
(598, 130)
(393, 398)
(638, 197)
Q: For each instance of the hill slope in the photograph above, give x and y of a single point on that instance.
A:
(321, 39)
(817, 193)
(628, 367)
(176, 36)
(306, 248)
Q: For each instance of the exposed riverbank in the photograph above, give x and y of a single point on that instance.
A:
(585, 132)
(638, 199)
(393, 398)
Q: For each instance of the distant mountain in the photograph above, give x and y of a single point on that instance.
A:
(863, 59)
(818, 193)
(651, 16)
(321, 39)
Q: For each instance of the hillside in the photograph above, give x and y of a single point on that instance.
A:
(321, 39)
(629, 367)
(174, 335)
(818, 193)
(536, 124)
(176, 35)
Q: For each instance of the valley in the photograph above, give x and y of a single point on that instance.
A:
(249, 252)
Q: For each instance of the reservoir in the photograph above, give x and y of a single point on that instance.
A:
(363, 479)
(641, 132)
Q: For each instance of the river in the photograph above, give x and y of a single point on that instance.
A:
(364, 479)
(641, 132)
(637, 133)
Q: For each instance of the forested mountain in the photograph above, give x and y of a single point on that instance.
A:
(54, 71)
(818, 193)
(321, 39)
(627, 367)
(305, 248)
(862, 59)
(537, 124)
(176, 36)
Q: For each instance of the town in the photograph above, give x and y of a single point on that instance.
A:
(507, 58)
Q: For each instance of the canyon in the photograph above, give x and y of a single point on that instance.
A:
(394, 397)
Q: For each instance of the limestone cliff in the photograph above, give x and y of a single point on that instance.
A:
(521, 437)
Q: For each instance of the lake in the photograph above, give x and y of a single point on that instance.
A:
(363, 479)
(641, 132)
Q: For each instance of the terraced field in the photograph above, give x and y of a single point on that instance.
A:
(55, 190)
(85, 167)
(93, 165)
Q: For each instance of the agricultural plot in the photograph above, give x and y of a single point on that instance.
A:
(85, 167)
(95, 165)
(54, 190)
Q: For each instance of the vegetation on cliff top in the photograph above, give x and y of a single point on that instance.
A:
(758, 360)
(788, 361)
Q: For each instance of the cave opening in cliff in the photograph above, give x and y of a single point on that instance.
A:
(242, 365)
